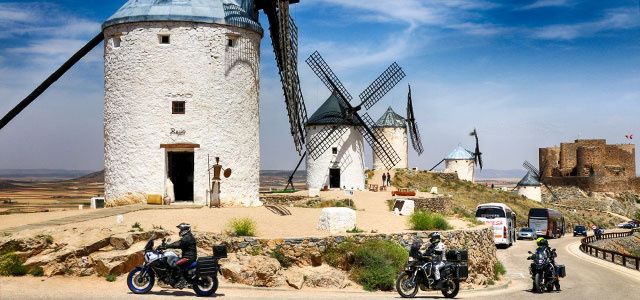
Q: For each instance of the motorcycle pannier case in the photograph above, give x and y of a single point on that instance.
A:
(207, 265)
(462, 271)
(457, 255)
(561, 270)
(220, 251)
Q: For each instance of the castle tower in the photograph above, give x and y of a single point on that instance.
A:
(342, 164)
(530, 187)
(461, 162)
(393, 127)
(181, 84)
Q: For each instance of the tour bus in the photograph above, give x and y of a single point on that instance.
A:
(503, 220)
(546, 222)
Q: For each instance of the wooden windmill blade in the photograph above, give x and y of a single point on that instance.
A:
(381, 86)
(416, 141)
(477, 155)
(51, 79)
(284, 39)
(328, 77)
(378, 142)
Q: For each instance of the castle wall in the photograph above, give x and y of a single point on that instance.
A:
(219, 85)
(549, 160)
(590, 160)
(397, 137)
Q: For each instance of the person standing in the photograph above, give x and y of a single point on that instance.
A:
(384, 179)
(215, 185)
(388, 179)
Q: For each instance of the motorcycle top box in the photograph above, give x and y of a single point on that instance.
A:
(457, 255)
(561, 271)
(220, 251)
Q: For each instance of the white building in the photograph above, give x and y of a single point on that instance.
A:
(460, 161)
(341, 165)
(530, 187)
(394, 128)
(181, 83)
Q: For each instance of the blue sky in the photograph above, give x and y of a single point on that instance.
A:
(527, 74)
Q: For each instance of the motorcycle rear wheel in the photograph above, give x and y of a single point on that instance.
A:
(451, 288)
(138, 284)
(206, 285)
(405, 287)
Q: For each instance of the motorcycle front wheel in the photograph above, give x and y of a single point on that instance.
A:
(405, 286)
(450, 288)
(537, 283)
(206, 285)
(139, 283)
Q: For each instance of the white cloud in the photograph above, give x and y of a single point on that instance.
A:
(614, 19)
(546, 3)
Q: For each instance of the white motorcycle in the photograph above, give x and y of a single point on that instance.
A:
(159, 264)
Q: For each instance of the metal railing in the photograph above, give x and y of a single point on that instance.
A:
(609, 255)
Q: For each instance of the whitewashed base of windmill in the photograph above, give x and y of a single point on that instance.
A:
(337, 219)
(404, 207)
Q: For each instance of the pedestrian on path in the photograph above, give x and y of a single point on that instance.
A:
(384, 179)
(388, 179)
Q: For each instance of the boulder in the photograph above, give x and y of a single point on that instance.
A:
(406, 207)
(337, 219)
(254, 270)
(325, 277)
(121, 241)
(117, 262)
(294, 278)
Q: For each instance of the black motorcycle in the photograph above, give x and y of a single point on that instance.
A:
(419, 269)
(201, 275)
(544, 272)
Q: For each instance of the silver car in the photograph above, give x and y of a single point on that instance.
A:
(527, 233)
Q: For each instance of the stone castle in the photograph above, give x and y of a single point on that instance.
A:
(591, 165)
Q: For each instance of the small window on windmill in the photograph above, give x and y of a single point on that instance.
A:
(177, 107)
(165, 39)
(232, 40)
(334, 150)
(116, 40)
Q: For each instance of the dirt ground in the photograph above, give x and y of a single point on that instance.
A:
(372, 215)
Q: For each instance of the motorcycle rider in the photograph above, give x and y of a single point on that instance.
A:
(187, 245)
(437, 251)
(543, 245)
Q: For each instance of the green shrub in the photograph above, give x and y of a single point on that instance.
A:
(110, 278)
(498, 270)
(37, 271)
(136, 226)
(355, 229)
(339, 256)
(48, 239)
(242, 227)
(421, 220)
(284, 261)
(11, 265)
(376, 264)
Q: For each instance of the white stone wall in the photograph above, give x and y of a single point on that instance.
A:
(531, 192)
(350, 160)
(397, 137)
(220, 86)
(463, 167)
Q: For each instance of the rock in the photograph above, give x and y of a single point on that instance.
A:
(254, 270)
(294, 278)
(407, 207)
(118, 262)
(121, 241)
(337, 219)
(316, 259)
(325, 277)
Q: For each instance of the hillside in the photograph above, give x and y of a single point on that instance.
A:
(467, 196)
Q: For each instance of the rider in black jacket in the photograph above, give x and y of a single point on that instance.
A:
(187, 244)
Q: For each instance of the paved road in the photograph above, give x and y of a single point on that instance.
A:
(587, 278)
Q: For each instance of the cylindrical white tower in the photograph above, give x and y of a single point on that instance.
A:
(181, 85)
(530, 187)
(393, 127)
(341, 164)
(461, 162)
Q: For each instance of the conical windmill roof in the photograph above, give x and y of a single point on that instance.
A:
(333, 112)
(529, 180)
(391, 119)
(238, 13)
(460, 153)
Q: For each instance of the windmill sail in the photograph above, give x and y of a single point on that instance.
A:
(416, 141)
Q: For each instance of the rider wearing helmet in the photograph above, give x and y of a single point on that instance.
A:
(187, 244)
(437, 250)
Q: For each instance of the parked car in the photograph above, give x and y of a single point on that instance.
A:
(527, 233)
(626, 225)
(579, 230)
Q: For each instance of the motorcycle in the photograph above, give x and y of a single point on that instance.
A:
(544, 273)
(160, 264)
(418, 273)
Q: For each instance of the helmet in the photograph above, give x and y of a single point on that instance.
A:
(184, 228)
(434, 237)
(542, 242)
